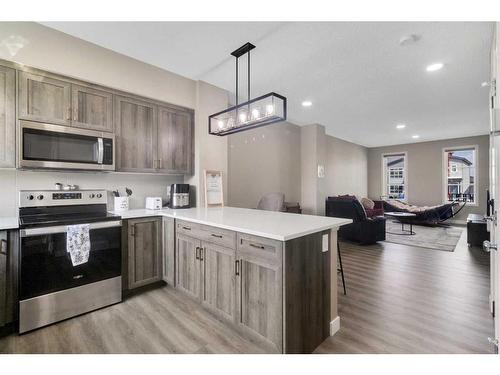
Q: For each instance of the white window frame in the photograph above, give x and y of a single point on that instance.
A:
(405, 173)
(476, 172)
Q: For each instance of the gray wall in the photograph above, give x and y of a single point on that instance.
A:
(142, 185)
(264, 160)
(425, 171)
(346, 168)
(284, 157)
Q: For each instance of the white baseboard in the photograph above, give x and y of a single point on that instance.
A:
(334, 326)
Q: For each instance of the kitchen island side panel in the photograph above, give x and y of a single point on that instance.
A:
(307, 278)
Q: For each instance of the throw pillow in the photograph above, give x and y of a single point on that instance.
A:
(367, 203)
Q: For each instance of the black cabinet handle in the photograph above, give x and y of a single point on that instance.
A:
(237, 268)
(3, 247)
(257, 246)
(186, 228)
(216, 235)
(202, 251)
(196, 252)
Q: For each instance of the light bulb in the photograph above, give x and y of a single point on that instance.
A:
(269, 109)
(255, 114)
(243, 117)
(220, 123)
(230, 122)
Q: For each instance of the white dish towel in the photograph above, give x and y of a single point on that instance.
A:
(78, 243)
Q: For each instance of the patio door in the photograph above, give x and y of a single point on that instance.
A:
(493, 224)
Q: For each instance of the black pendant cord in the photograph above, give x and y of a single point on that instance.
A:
(237, 81)
(248, 76)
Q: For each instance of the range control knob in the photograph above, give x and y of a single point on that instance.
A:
(31, 197)
(91, 195)
(99, 195)
(40, 197)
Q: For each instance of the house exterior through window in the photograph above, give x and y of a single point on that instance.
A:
(394, 176)
(460, 174)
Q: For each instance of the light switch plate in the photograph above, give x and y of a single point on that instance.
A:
(325, 243)
(321, 171)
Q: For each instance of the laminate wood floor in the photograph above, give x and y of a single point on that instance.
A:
(400, 300)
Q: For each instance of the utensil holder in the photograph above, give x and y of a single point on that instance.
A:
(121, 204)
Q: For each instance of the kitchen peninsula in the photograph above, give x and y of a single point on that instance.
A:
(271, 275)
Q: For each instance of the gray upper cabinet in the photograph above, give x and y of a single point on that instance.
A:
(7, 117)
(144, 251)
(92, 108)
(135, 130)
(175, 140)
(44, 99)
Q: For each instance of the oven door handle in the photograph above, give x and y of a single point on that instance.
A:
(30, 232)
(100, 150)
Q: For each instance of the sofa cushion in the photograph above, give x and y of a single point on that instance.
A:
(367, 203)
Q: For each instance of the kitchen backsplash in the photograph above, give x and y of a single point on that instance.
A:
(142, 185)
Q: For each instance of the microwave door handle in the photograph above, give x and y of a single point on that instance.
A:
(100, 149)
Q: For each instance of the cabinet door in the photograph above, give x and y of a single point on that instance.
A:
(259, 303)
(44, 99)
(7, 117)
(169, 250)
(188, 265)
(175, 140)
(3, 277)
(218, 275)
(144, 251)
(92, 108)
(135, 131)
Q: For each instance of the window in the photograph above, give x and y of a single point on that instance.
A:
(460, 176)
(394, 176)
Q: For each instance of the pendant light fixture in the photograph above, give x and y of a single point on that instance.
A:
(264, 110)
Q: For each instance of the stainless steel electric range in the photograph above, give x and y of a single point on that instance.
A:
(51, 288)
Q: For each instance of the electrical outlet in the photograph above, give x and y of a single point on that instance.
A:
(321, 171)
(325, 243)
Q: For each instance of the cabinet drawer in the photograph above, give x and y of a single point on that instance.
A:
(189, 229)
(207, 233)
(259, 247)
(219, 236)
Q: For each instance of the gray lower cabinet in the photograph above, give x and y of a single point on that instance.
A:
(175, 141)
(188, 265)
(218, 279)
(8, 276)
(144, 251)
(92, 108)
(169, 250)
(259, 288)
(7, 117)
(135, 134)
(44, 99)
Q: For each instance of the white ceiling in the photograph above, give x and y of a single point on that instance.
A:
(360, 80)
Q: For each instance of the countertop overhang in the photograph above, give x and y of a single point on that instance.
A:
(281, 226)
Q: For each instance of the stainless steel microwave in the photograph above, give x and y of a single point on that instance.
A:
(61, 147)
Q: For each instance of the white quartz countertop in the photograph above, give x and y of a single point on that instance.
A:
(280, 226)
(9, 223)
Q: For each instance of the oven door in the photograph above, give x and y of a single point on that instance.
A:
(61, 147)
(46, 267)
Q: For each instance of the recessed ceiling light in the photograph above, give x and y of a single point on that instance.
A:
(434, 67)
(415, 136)
(400, 126)
(485, 84)
(306, 103)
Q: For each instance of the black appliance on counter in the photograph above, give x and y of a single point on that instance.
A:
(50, 287)
(179, 196)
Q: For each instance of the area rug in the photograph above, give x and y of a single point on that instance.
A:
(436, 238)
